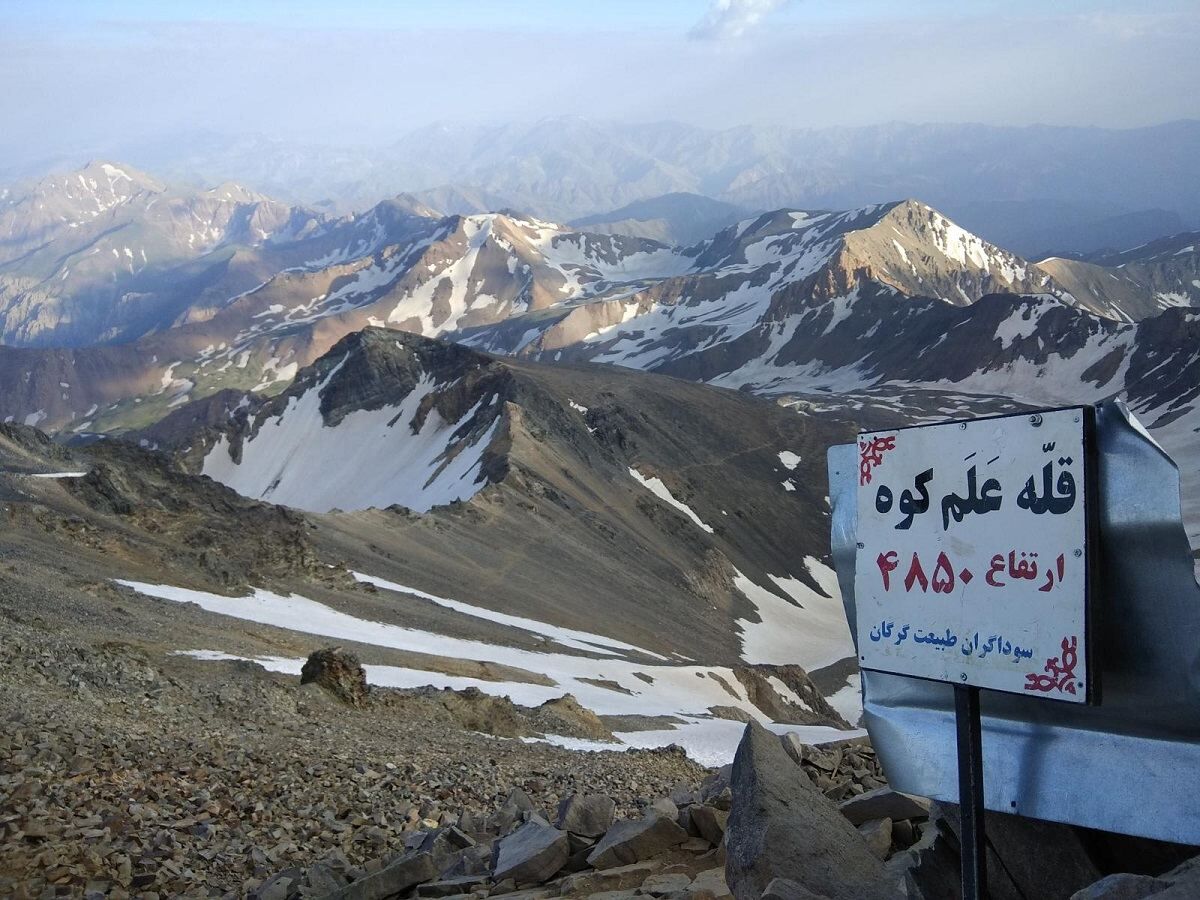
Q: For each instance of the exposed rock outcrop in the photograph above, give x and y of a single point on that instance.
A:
(339, 672)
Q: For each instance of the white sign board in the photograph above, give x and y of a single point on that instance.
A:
(972, 554)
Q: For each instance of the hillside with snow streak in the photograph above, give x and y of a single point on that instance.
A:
(566, 494)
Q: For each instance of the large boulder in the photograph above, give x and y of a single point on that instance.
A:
(782, 826)
(588, 815)
(1184, 881)
(339, 672)
(632, 840)
(531, 854)
(453, 887)
(564, 715)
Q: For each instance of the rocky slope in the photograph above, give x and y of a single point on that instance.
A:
(639, 543)
(124, 772)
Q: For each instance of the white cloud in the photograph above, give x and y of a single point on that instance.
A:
(729, 19)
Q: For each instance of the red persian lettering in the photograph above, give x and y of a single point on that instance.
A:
(943, 575)
(888, 563)
(916, 575)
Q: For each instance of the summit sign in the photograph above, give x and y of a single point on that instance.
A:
(973, 553)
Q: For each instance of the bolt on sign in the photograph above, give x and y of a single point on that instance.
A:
(973, 554)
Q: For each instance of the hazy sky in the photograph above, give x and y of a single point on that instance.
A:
(79, 75)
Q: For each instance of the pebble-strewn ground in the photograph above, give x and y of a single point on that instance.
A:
(135, 774)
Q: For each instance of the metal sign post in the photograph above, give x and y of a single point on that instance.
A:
(973, 842)
(973, 568)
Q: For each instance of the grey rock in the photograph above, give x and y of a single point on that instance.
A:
(709, 822)
(710, 884)
(715, 785)
(1184, 881)
(682, 795)
(534, 816)
(279, 886)
(665, 883)
(1122, 886)
(878, 835)
(904, 834)
(448, 887)
(663, 806)
(884, 803)
(392, 880)
(444, 845)
(632, 840)
(322, 879)
(579, 847)
(530, 894)
(531, 854)
(781, 826)
(504, 819)
(785, 889)
(929, 869)
(801, 752)
(618, 878)
(578, 842)
(475, 860)
(589, 815)
(795, 749)
(520, 800)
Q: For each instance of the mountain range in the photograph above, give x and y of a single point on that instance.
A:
(248, 306)
(592, 431)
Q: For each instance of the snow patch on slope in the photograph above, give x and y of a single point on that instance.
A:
(372, 458)
(684, 691)
(811, 632)
(659, 490)
(568, 637)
